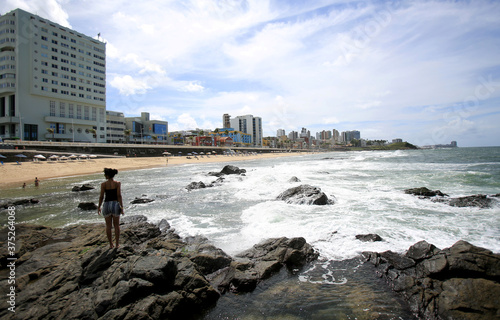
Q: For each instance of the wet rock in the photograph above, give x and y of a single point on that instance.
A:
(21, 202)
(371, 237)
(196, 185)
(294, 179)
(141, 200)
(87, 206)
(479, 200)
(262, 261)
(84, 187)
(460, 282)
(227, 170)
(424, 192)
(305, 194)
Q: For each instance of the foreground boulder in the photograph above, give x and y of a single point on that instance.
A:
(460, 282)
(305, 194)
(261, 262)
(70, 273)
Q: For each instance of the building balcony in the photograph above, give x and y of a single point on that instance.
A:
(9, 120)
(52, 119)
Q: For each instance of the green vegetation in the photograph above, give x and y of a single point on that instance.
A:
(395, 146)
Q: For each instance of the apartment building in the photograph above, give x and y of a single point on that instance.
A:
(250, 125)
(115, 127)
(52, 81)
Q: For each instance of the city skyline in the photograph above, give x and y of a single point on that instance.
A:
(387, 69)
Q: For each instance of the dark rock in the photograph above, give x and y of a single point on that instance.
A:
(294, 179)
(479, 200)
(261, 262)
(227, 170)
(423, 191)
(305, 194)
(87, 206)
(141, 200)
(21, 202)
(196, 185)
(133, 219)
(371, 237)
(460, 282)
(69, 273)
(84, 187)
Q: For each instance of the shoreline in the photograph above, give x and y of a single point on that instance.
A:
(14, 175)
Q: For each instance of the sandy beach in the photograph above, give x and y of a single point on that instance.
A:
(14, 175)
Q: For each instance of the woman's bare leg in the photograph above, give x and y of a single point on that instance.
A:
(116, 225)
(109, 222)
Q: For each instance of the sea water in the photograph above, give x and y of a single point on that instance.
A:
(367, 186)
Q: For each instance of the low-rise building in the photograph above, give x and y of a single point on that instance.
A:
(145, 130)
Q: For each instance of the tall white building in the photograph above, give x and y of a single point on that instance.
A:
(280, 133)
(52, 81)
(250, 125)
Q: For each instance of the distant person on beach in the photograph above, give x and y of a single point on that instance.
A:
(24, 185)
(37, 182)
(113, 205)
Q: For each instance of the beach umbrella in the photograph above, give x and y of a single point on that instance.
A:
(73, 156)
(21, 156)
(92, 156)
(39, 156)
(83, 156)
(53, 157)
(2, 156)
(63, 158)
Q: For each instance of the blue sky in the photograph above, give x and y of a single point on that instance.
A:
(424, 71)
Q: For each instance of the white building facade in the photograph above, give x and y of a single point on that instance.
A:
(250, 125)
(52, 81)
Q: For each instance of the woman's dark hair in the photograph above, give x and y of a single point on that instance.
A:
(110, 173)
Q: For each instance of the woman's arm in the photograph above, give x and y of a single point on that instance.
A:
(119, 195)
(101, 197)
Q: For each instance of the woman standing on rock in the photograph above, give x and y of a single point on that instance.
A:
(113, 206)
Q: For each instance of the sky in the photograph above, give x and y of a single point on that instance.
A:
(427, 72)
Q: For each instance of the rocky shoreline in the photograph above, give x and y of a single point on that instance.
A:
(69, 273)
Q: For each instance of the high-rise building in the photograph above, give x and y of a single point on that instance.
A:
(226, 121)
(251, 125)
(280, 133)
(335, 136)
(52, 81)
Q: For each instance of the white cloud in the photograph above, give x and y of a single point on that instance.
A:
(48, 9)
(128, 85)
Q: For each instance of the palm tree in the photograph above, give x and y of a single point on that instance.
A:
(202, 133)
(155, 138)
(127, 134)
(51, 131)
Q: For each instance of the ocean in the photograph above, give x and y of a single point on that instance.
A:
(368, 189)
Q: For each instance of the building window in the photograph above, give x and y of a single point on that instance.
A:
(70, 110)
(94, 114)
(52, 108)
(78, 112)
(86, 115)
